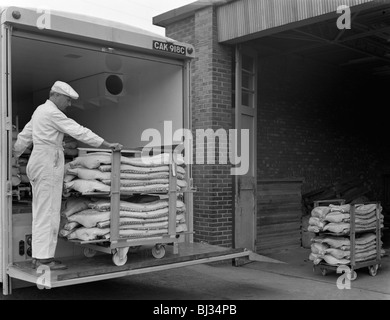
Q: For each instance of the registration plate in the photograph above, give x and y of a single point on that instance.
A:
(169, 47)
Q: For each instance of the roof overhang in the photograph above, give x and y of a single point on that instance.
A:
(305, 27)
(245, 20)
(364, 48)
(172, 16)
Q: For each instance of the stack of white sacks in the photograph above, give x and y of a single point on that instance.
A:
(333, 222)
(90, 220)
(15, 167)
(16, 180)
(92, 173)
(85, 219)
(22, 169)
(19, 167)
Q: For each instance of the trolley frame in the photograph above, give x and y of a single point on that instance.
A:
(373, 264)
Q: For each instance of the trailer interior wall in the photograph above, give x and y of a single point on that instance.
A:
(321, 122)
(152, 93)
(146, 101)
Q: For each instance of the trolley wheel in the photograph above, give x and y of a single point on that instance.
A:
(118, 260)
(89, 253)
(373, 270)
(351, 275)
(158, 251)
(324, 272)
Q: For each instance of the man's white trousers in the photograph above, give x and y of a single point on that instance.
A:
(45, 169)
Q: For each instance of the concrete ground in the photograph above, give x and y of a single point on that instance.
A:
(222, 281)
(292, 280)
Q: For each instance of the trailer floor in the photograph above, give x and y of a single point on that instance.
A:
(102, 267)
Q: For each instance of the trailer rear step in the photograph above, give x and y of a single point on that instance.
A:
(101, 267)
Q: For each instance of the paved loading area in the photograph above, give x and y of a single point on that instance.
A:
(222, 281)
(293, 279)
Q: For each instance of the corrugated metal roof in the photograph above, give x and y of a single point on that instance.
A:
(364, 48)
(247, 17)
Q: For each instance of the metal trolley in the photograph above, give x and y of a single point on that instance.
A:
(373, 264)
(119, 246)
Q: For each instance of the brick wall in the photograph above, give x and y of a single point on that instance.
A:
(211, 109)
(317, 122)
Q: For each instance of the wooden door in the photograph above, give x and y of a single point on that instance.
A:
(245, 120)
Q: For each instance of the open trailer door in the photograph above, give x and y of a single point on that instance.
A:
(5, 156)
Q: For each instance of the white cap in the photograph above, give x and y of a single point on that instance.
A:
(65, 89)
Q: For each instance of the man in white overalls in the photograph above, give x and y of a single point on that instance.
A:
(45, 167)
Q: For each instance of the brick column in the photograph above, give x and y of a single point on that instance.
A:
(211, 109)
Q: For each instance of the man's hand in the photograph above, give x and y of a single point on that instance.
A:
(112, 146)
(115, 146)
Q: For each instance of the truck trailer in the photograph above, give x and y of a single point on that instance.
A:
(129, 80)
